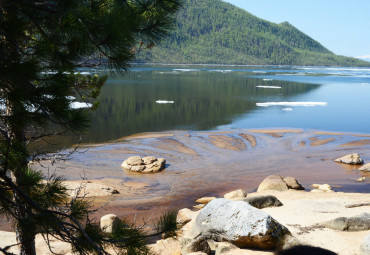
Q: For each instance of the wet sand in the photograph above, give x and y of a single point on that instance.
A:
(210, 164)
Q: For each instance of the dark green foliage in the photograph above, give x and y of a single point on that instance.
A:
(167, 224)
(43, 47)
(215, 32)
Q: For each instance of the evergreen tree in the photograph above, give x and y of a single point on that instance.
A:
(42, 46)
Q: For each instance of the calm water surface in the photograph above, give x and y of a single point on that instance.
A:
(232, 97)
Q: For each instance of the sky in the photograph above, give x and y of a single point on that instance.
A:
(342, 26)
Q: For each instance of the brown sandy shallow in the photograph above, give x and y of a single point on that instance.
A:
(199, 165)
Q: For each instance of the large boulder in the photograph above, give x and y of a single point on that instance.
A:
(273, 182)
(365, 168)
(109, 223)
(263, 201)
(356, 223)
(239, 223)
(236, 194)
(352, 159)
(144, 165)
(365, 246)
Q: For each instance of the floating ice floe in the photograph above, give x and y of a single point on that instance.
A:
(267, 79)
(186, 70)
(164, 102)
(287, 109)
(292, 104)
(268, 87)
(259, 72)
(79, 105)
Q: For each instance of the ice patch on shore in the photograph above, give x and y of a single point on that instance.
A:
(268, 87)
(292, 104)
(164, 102)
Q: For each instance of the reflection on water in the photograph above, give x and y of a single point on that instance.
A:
(214, 97)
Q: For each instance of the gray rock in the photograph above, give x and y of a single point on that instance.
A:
(356, 223)
(223, 247)
(146, 165)
(365, 168)
(263, 201)
(239, 223)
(293, 183)
(365, 246)
(273, 182)
(109, 223)
(352, 159)
(194, 245)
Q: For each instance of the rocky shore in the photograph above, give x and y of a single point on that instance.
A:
(260, 223)
(239, 170)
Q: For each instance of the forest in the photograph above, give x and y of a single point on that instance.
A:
(216, 32)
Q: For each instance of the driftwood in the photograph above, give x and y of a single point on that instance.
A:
(357, 205)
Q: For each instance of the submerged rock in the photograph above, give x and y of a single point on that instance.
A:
(239, 223)
(204, 200)
(365, 168)
(352, 159)
(144, 165)
(356, 223)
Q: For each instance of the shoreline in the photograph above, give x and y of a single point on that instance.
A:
(209, 163)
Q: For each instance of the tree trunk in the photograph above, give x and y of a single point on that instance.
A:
(26, 240)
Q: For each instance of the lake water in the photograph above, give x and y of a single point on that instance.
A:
(229, 97)
(206, 112)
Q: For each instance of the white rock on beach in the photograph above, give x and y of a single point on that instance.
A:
(352, 159)
(236, 194)
(109, 223)
(273, 182)
(365, 246)
(239, 223)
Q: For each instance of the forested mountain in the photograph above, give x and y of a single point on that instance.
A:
(213, 31)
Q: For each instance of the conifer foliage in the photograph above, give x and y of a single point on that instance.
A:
(43, 45)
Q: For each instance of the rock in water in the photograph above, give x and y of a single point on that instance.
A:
(357, 223)
(352, 159)
(365, 168)
(263, 201)
(144, 165)
(365, 246)
(273, 182)
(239, 223)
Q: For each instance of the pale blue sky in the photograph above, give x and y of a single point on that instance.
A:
(343, 26)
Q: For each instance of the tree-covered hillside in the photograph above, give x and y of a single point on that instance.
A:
(212, 31)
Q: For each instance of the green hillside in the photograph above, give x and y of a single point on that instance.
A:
(212, 31)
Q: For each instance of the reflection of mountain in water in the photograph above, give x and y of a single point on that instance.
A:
(202, 100)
